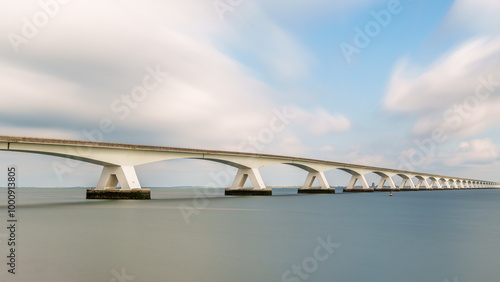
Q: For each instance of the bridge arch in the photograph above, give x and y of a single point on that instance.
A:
(356, 176)
(406, 179)
(385, 178)
(435, 182)
(422, 180)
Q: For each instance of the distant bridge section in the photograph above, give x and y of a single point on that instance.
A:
(119, 161)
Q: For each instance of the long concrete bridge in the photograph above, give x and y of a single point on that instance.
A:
(119, 161)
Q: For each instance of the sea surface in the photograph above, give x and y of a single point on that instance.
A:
(200, 235)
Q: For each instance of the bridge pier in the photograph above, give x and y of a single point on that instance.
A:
(112, 175)
(316, 191)
(425, 189)
(409, 189)
(259, 189)
(422, 180)
(354, 179)
(249, 192)
(407, 180)
(383, 180)
(445, 185)
(307, 187)
(435, 181)
(119, 194)
(130, 186)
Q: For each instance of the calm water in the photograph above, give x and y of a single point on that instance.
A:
(412, 236)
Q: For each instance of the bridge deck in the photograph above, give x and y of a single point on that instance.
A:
(37, 140)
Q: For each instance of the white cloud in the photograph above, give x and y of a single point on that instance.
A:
(253, 31)
(28, 91)
(327, 148)
(363, 157)
(321, 122)
(443, 95)
(292, 146)
(453, 77)
(450, 82)
(479, 16)
(65, 79)
(474, 152)
(458, 95)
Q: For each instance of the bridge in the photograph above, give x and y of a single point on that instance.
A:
(119, 161)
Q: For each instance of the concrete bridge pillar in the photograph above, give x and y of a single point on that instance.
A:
(313, 176)
(245, 173)
(383, 180)
(320, 176)
(127, 178)
(444, 184)
(237, 188)
(112, 175)
(406, 180)
(435, 181)
(357, 177)
(424, 181)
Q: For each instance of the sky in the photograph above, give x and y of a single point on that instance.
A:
(412, 85)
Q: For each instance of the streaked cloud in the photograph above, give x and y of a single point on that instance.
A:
(320, 122)
(474, 152)
(69, 75)
(478, 16)
(465, 80)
